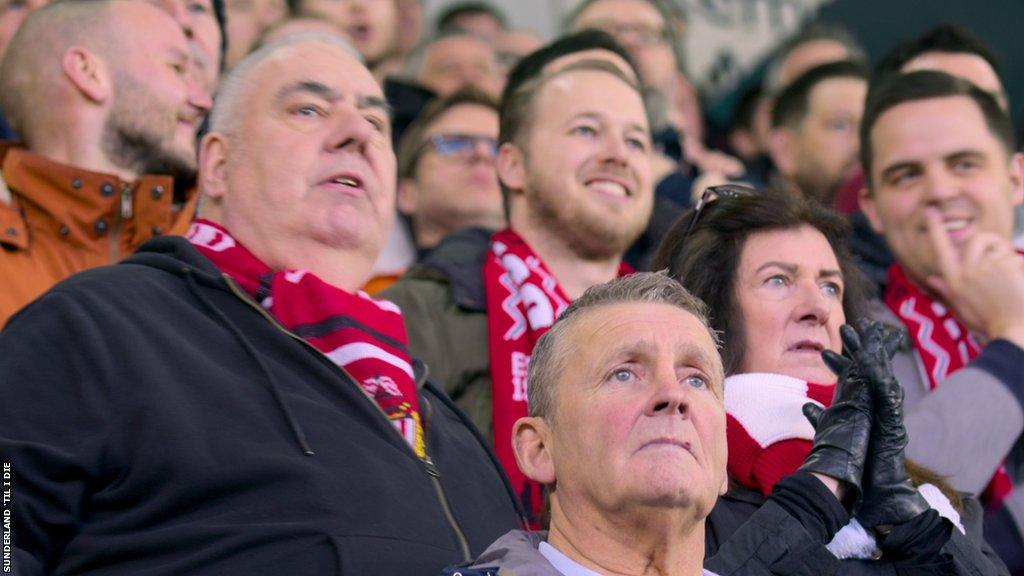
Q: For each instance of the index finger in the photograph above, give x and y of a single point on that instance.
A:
(946, 258)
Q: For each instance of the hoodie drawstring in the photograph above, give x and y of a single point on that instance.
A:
(293, 423)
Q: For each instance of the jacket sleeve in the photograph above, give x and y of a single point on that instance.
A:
(786, 535)
(943, 425)
(56, 416)
(971, 552)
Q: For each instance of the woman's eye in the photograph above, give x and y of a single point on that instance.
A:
(832, 289)
(776, 280)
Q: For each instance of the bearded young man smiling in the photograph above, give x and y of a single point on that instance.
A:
(104, 96)
(575, 167)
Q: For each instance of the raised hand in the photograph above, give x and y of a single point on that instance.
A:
(983, 284)
(889, 497)
(842, 432)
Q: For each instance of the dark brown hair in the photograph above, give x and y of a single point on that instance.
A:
(705, 263)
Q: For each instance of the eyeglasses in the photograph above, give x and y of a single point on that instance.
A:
(712, 193)
(461, 144)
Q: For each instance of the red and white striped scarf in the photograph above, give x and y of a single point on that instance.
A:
(366, 338)
(768, 435)
(944, 344)
(523, 301)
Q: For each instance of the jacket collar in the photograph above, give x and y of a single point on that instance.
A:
(459, 259)
(76, 199)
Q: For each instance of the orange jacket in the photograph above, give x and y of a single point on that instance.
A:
(56, 220)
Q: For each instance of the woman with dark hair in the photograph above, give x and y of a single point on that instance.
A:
(779, 284)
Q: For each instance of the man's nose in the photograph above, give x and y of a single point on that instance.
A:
(669, 396)
(614, 147)
(198, 96)
(940, 185)
(350, 128)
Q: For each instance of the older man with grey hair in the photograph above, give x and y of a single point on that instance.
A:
(627, 431)
(229, 402)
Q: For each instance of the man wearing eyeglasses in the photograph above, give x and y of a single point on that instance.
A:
(446, 168)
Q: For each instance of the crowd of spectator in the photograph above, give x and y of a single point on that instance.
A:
(320, 287)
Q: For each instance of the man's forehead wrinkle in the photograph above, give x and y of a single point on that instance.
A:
(309, 86)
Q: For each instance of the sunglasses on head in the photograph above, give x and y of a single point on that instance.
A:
(712, 193)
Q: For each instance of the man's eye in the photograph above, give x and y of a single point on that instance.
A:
(637, 144)
(623, 375)
(964, 165)
(840, 125)
(584, 131)
(903, 178)
(379, 124)
(697, 381)
(308, 111)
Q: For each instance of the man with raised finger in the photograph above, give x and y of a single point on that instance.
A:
(942, 183)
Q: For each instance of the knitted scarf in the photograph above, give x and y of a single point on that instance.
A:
(523, 301)
(944, 345)
(769, 438)
(365, 338)
(768, 435)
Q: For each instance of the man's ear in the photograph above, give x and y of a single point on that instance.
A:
(782, 149)
(510, 166)
(531, 441)
(408, 196)
(213, 156)
(1017, 178)
(869, 206)
(88, 73)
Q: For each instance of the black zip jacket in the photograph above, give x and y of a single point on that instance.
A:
(786, 534)
(158, 421)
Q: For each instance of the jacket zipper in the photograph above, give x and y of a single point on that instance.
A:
(127, 212)
(427, 461)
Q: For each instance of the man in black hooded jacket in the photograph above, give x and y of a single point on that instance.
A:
(180, 412)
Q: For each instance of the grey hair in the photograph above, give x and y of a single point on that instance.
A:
(227, 108)
(551, 354)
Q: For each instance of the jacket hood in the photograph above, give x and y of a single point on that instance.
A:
(459, 259)
(175, 254)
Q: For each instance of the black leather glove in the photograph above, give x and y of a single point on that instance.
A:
(841, 433)
(889, 496)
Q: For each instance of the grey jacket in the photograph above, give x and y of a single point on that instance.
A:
(514, 554)
(971, 422)
(969, 425)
